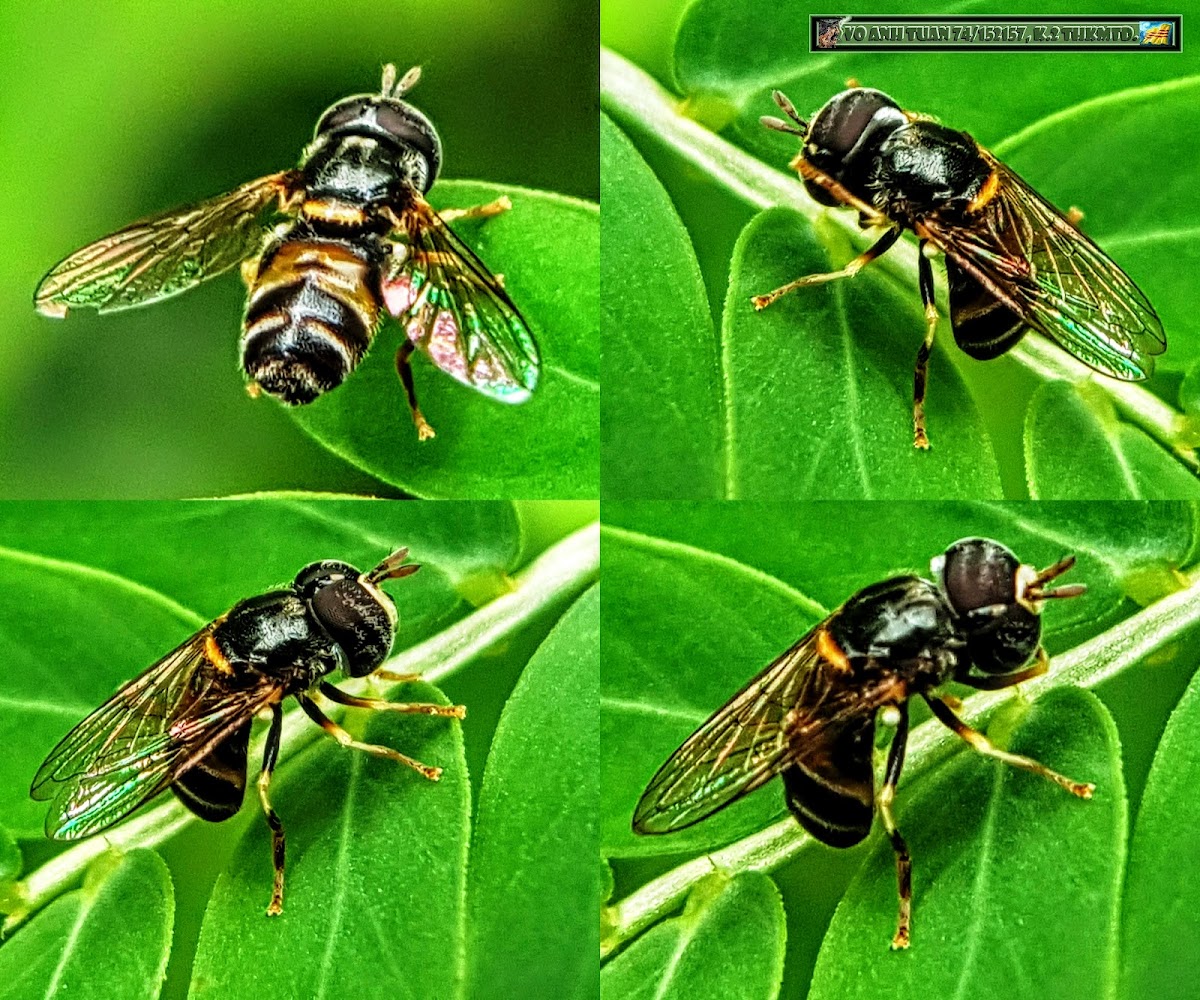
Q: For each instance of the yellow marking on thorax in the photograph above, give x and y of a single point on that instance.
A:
(986, 193)
(213, 653)
(831, 652)
(333, 211)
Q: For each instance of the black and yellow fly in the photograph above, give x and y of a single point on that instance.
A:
(326, 250)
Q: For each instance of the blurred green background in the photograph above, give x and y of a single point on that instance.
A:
(117, 110)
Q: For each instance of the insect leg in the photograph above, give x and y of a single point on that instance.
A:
(880, 247)
(887, 793)
(501, 204)
(379, 705)
(278, 842)
(994, 682)
(388, 675)
(981, 743)
(346, 740)
(925, 273)
(424, 431)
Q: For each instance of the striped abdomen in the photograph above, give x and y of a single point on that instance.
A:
(312, 312)
(212, 788)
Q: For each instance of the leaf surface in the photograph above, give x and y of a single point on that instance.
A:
(661, 413)
(1077, 449)
(376, 867)
(1016, 884)
(1162, 902)
(533, 881)
(108, 939)
(820, 384)
(728, 942)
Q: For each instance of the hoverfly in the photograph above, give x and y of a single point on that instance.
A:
(810, 716)
(1013, 261)
(325, 250)
(185, 722)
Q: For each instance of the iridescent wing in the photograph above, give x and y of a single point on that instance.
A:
(169, 253)
(454, 309)
(789, 714)
(1027, 254)
(150, 732)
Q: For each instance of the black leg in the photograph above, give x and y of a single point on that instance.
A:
(887, 793)
(925, 274)
(981, 743)
(278, 842)
(346, 740)
(379, 705)
(404, 368)
(878, 249)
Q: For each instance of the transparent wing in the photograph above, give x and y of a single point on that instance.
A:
(454, 309)
(167, 254)
(1056, 279)
(785, 715)
(147, 734)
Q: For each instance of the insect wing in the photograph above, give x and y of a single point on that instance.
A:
(752, 738)
(169, 253)
(146, 735)
(1056, 279)
(457, 312)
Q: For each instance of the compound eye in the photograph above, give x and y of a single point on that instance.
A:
(839, 126)
(342, 113)
(978, 573)
(356, 621)
(317, 574)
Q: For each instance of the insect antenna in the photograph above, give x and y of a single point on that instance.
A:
(1035, 591)
(393, 88)
(789, 109)
(393, 567)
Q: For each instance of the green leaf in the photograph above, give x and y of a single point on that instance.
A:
(533, 882)
(728, 943)
(683, 630)
(91, 630)
(820, 384)
(662, 415)
(1064, 425)
(828, 551)
(1161, 925)
(109, 939)
(208, 554)
(548, 249)
(1015, 882)
(375, 875)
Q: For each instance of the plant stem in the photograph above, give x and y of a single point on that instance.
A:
(642, 105)
(557, 575)
(1087, 665)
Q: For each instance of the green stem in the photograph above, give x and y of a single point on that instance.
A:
(1087, 665)
(643, 106)
(557, 575)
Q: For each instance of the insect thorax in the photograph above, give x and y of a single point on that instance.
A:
(924, 168)
(901, 625)
(274, 634)
(363, 170)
